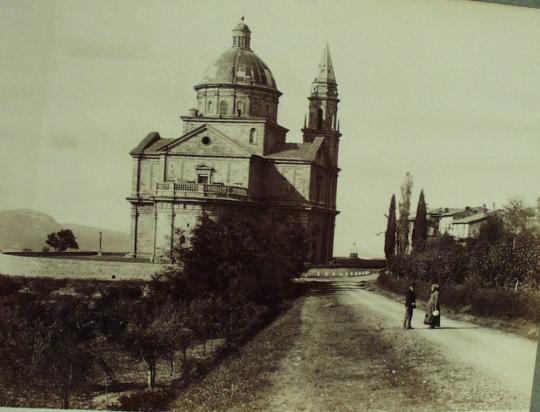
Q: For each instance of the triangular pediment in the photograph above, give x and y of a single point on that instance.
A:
(207, 141)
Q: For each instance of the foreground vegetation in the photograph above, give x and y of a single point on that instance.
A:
(469, 298)
(64, 341)
(496, 274)
(497, 258)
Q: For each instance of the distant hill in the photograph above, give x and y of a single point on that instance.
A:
(522, 3)
(24, 228)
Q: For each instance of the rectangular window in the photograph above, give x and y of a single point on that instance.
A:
(202, 179)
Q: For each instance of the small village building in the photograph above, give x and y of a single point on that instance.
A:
(468, 227)
(461, 224)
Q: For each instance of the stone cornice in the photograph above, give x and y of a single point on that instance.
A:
(238, 86)
(232, 119)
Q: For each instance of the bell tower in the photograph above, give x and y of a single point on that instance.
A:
(323, 106)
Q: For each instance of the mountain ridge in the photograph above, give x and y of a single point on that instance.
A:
(27, 229)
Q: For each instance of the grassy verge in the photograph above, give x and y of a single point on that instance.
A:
(508, 310)
(240, 380)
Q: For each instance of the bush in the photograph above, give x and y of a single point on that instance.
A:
(493, 260)
(507, 304)
(401, 285)
(45, 286)
(156, 400)
(254, 264)
(9, 286)
(489, 302)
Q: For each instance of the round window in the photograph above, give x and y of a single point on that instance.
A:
(205, 140)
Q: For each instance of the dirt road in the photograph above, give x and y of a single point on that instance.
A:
(352, 354)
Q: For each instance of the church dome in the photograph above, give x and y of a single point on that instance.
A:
(239, 64)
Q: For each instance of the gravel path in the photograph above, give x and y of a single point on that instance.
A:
(342, 348)
(353, 355)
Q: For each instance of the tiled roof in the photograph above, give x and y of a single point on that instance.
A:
(150, 138)
(151, 143)
(158, 144)
(471, 219)
(444, 211)
(297, 151)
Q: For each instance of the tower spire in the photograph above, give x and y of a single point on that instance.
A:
(325, 84)
(325, 72)
(323, 106)
(323, 102)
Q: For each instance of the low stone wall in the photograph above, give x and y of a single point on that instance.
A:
(76, 268)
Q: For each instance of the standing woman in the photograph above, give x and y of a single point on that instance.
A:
(433, 310)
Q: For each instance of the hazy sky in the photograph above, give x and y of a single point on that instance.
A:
(446, 89)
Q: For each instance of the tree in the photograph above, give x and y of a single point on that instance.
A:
(146, 338)
(517, 215)
(490, 233)
(62, 240)
(404, 210)
(390, 234)
(238, 258)
(419, 234)
(45, 345)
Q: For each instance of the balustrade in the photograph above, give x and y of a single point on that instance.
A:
(186, 189)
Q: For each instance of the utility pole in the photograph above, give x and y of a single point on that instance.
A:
(100, 235)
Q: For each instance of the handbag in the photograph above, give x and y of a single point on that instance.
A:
(436, 312)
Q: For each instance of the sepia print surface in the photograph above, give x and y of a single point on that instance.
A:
(275, 206)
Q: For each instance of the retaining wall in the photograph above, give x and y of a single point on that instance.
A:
(76, 269)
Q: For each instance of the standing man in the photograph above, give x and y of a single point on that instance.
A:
(410, 304)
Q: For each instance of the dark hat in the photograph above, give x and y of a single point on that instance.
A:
(412, 284)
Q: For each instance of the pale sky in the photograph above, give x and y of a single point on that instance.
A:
(448, 90)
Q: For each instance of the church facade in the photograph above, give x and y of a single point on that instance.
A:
(233, 156)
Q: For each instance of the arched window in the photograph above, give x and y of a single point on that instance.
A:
(240, 108)
(319, 118)
(253, 136)
(210, 106)
(223, 108)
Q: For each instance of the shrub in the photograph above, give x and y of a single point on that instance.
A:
(156, 400)
(44, 286)
(489, 302)
(9, 286)
(257, 260)
(502, 303)
(401, 285)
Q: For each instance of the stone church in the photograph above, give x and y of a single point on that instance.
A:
(233, 156)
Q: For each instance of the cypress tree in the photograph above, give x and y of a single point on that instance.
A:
(390, 234)
(402, 234)
(419, 234)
